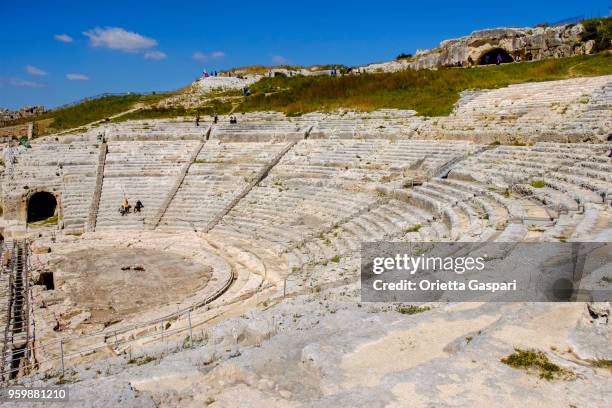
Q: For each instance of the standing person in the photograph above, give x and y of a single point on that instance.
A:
(197, 120)
(499, 59)
(215, 119)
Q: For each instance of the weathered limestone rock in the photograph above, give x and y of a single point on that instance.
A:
(24, 112)
(527, 43)
(41, 250)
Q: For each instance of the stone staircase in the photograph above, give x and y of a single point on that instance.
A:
(145, 171)
(16, 345)
(322, 184)
(220, 172)
(263, 173)
(179, 181)
(95, 203)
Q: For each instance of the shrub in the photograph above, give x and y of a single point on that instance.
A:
(403, 56)
(414, 228)
(141, 360)
(600, 31)
(532, 359)
(537, 184)
(410, 310)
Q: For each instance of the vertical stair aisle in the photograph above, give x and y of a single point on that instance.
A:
(15, 309)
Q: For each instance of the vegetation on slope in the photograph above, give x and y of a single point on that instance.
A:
(97, 109)
(89, 111)
(599, 30)
(431, 93)
(212, 107)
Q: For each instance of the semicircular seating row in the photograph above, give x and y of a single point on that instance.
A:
(325, 196)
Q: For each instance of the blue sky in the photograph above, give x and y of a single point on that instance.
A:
(55, 52)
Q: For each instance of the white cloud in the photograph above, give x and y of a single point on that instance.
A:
(32, 70)
(63, 38)
(279, 59)
(19, 82)
(77, 77)
(155, 55)
(117, 38)
(200, 56)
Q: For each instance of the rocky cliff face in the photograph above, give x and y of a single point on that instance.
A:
(25, 112)
(513, 43)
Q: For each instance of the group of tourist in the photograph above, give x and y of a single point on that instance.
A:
(126, 207)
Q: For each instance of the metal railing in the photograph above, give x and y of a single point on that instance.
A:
(118, 339)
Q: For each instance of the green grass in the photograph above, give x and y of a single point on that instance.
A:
(431, 93)
(213, 107)
(537, 184)
(94, 110)
(414, 228)
(531, 359)
(410, 310)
